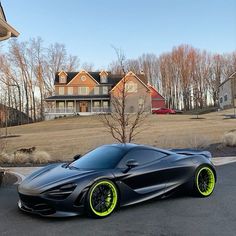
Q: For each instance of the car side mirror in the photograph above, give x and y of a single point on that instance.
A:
(76, 157)
(131, 163)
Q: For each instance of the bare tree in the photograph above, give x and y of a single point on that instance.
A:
(122, 125)
(88, 66)
(56, 59)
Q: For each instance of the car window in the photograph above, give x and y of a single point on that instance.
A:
(105, 157)
(143, 157)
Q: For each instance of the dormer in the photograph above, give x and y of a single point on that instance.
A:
(103, 77)
(62, 77)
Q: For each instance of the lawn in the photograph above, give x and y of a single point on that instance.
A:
(62, 138)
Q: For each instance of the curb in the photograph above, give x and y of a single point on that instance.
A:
(218, 161)
(19, 177)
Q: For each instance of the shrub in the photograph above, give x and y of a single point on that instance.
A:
(4, 158)
(229, 138)
(20, 158)
(40, 157)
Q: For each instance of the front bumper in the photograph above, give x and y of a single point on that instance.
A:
(50, 208)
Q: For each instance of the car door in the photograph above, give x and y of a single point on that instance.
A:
(149, 176)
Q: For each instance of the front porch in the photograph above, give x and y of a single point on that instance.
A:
(59, 108)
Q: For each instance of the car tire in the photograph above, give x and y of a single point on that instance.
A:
(204, 181)
(102, 199)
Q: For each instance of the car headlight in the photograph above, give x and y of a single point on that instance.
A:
(61, 192)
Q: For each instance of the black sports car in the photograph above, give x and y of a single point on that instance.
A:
(115, 175)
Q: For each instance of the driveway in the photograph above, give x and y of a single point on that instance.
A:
(178, 215)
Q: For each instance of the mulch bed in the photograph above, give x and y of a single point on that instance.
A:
(7, 179)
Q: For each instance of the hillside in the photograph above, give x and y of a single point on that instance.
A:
(62, 138)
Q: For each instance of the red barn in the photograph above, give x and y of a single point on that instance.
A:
(158, 101)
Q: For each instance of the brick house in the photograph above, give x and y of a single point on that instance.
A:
(227, 92)
(86, 93)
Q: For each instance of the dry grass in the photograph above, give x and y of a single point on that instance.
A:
(40, 157)
(4, 158)
(229, 139)
(63, 138)
(20, 158)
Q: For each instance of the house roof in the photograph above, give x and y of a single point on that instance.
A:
(6, 30)
(232, 76)
(140, 78)
(155, 91)
(112, 79)
(2, 14)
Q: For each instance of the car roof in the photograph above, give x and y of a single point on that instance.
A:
(125, 146)
(128, 146)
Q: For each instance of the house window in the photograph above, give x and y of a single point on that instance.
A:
(96, 90)
(131, 87)
(225, 98)
(62, 79)
(221, 100)
(140, 103)
(70, 91)
(83, 91)
(70, 105)
(83, 78)
(96, 104)
(105, 104)
(61, 106)
(61, 90)
(103, 78)
(104, 90)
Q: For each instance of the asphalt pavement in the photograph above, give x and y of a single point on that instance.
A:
(177, 215)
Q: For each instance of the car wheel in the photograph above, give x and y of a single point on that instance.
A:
(102, 199)
(204, 181)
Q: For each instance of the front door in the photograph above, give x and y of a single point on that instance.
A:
(83, 106)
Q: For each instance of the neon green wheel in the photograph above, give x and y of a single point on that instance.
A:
(205, 181)
(102, 198)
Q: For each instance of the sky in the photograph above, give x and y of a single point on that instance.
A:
(89, 28)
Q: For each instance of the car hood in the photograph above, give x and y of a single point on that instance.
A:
(51, 176)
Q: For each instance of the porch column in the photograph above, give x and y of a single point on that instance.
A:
(65, 107)
(91, 105)
(75, 106)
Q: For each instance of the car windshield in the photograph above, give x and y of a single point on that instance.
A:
(105, 157)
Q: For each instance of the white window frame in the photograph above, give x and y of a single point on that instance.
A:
(103, 79)
(140, 103)
(61, 106)
(96, 104)
(61, 91)
(80, 91)
(62, 79)
(105, 90)
(83, 78)
(105, 102)
(70, 91)
(131, 87)
(70, 105)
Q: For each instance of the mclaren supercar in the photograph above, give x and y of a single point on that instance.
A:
(112, 176)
